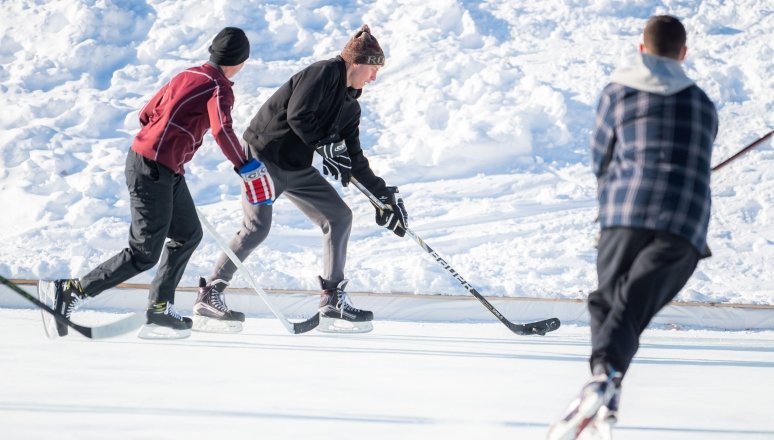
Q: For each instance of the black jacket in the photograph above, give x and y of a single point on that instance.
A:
(312, 105)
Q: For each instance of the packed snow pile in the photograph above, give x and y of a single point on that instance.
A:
(481, 116)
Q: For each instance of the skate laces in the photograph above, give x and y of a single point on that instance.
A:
(171, 312)
(218, 300)
(213, 294)
(73, 305)
(74, 296)
(344, 303)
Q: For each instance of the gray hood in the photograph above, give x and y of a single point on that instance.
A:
(649, 73)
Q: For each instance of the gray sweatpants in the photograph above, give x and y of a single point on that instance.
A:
(317, 199)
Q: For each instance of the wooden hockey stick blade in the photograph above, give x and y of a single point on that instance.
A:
(535, 328)
(308, 325)
(292, 327)
(539, 328)
(122, 326)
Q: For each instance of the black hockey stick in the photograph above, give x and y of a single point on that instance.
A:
(125, 325)
(292, 327)
(532, 328)
(743, 151)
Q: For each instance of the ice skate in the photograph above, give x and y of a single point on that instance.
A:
(163, 322)
(210, 313)
(337, 314)
(597, 430)
(583, 411)
(63, 296)
(601, 428)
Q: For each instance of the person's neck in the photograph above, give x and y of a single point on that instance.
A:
(216, 65)
(347, 73)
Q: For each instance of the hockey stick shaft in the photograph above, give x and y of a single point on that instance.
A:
(732, 158)
(295, 328)
(117, 328)
(743, 151)
(546, 325)
(85, 331)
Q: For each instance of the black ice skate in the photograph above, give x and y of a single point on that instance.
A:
(337, 314)
(163, 322)
(64, 296)
(210, 313)
(601, 391)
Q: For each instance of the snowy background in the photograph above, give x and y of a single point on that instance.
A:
(481, 116)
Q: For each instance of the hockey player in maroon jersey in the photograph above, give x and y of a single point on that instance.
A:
(164, 221)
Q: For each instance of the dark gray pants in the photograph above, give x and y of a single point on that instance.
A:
(640, 271)
(317, 199)
(161, 208)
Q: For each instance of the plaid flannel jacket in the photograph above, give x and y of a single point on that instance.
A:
(651, 156)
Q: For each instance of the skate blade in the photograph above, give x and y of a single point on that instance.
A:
(601, 428)
(153, 331)
(46, 296)
(206, 324)
(334, 325)
(597, 430)
(574, 423)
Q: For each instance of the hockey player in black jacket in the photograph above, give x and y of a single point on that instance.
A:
(316, 110)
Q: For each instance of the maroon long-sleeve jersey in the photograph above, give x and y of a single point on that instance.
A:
(175, 120)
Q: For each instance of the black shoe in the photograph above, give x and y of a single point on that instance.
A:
(68, 296)
(162, 314)
(211, 302)
(334, 303)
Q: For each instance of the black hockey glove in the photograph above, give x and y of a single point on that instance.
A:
(336, 161)
(394, 217)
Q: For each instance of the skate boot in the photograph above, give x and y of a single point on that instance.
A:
(598, 392)
(210, 313)
(64, 296)
(609, 410)
(337, 314)
(163, 322)
(601, 428)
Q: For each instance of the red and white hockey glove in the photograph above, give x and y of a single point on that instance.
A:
(259, 188)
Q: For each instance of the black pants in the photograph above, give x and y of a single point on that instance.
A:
(161, 208)
(640, 271)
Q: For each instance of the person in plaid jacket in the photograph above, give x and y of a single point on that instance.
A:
(651, 150)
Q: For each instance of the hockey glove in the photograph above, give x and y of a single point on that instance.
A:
(336, 161)
(394, 217)
(259, 188)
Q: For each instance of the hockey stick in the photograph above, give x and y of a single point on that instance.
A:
(532, 328)
(124, 325)
(292, 327)
(742, 151)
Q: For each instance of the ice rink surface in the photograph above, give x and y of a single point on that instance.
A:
(405, 380)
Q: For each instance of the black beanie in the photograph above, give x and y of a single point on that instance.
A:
(230, 47)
